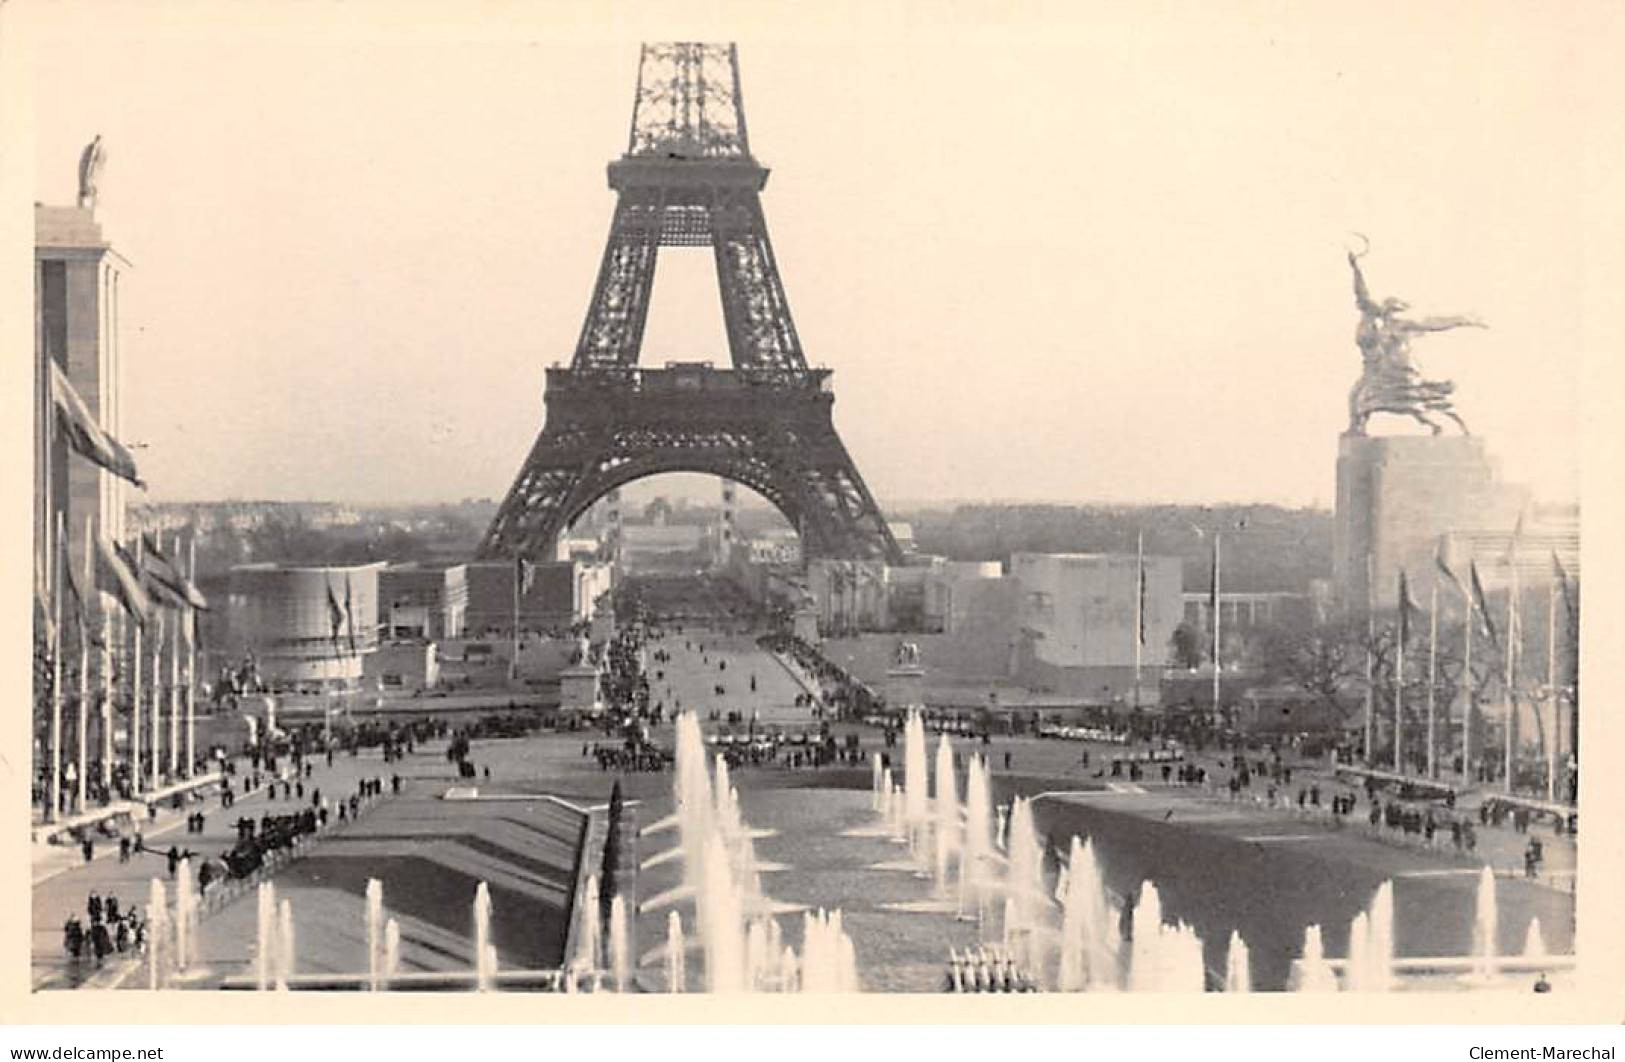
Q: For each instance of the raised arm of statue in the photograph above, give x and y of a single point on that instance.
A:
(1441, 324)
(1362, 297)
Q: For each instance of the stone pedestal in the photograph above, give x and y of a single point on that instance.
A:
(905, 686)
(1397, 494)
(578, 689)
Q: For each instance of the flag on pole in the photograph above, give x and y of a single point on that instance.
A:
(349, 613)
(1140, 585)
(1406, 608)
(1450, 576)
(1481, 606)
(1213, 579)
(84, 434)
(178, 589)
(43, 598)
(524, 574)
(335, 615)
(1563, 586)
(76, 599)
(117, 574)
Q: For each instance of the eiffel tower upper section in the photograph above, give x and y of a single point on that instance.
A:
(688, 179)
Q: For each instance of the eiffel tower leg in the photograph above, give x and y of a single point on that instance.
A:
(613, 331)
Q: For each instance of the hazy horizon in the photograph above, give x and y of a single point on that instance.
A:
(1107, 269)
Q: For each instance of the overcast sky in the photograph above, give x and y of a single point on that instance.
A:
(1090, 254)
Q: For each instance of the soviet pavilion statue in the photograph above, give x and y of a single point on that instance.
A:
(1390, 382)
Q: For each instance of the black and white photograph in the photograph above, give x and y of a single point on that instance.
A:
(930, 500)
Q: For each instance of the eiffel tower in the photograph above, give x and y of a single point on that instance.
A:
(688, 179)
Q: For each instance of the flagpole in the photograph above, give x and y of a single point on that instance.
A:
(83, 781)
(107, 693)
(1217, 609)
(191, 661)
(1139, 609)
(175, 689)
(518, 577)
(1399, 676)
(1551, 691)
(157, 710)
(1370, 691)
(1511, 675)
(1467, 693)
(1433, 676)
(58, 555)
(135, 688)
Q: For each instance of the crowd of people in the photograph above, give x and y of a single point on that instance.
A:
(111, 930)
(838, 689)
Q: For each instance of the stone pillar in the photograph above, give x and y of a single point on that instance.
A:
(578, 689)
(1396, 495)
(905, 686)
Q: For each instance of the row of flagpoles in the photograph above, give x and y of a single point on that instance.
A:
(153, 593)
(1479, 622)
(1476, 604)
(143, 585)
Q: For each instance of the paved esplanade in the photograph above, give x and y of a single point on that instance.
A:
(702, 660)
(64, 892)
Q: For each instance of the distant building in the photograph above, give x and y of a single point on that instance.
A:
(561, 594)
(903, 533)
(1081, 607)
(949, 590)
(646, 544)
(305, 627)
(577, 549)
(1244, 611)
(773, 546)
(404, 666)
(658, 512)
(428, 603)
(1547, 532)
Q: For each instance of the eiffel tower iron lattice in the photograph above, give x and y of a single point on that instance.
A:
(688, 179)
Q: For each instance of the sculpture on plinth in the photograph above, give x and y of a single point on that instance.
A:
(1390, 381)
(91, 162)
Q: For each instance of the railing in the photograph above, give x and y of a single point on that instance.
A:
(231, 889)
(594, 828)
(548, 980)
(680, 379)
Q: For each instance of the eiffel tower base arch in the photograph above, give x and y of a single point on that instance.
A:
(770, 432)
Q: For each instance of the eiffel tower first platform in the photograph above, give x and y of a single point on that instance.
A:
(688, 179)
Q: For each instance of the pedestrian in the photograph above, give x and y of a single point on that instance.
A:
(174, 859)
(110, 908)
(87, 848)
(124, 849)
(93, 907)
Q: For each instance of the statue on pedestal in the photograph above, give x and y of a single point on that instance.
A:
(91, 161)
(1390, 381)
